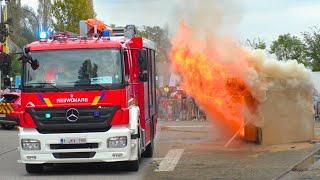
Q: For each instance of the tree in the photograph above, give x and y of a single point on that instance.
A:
(16, 65)
(23, 29)
(30, 21)
(44, 14)
(256, 43)
(312, 43)
(68, 13)
(288, 47)
(161, 38)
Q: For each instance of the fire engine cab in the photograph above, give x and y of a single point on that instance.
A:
(88, 98)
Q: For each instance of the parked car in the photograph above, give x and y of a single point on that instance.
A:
(10, 105)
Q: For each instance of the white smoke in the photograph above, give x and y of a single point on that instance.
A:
(271, 74)
(213, 22)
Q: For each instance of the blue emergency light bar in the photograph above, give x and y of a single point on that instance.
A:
(43, 35)
(106, 34)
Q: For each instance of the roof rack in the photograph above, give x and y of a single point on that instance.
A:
(129, 31)
(118, 31)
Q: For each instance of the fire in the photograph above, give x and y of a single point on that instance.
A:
(213, 73)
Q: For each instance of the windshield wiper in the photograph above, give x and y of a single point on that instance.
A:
(49, 84)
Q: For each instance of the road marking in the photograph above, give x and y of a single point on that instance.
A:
(10, 150)
(157, 159)
(170, 161)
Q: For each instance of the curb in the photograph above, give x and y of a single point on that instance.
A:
(196, 128)
(292, 167)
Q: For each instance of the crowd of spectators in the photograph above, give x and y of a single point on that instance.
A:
(175, 105)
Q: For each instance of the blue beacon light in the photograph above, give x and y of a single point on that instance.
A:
(43, 35)
(106, 34)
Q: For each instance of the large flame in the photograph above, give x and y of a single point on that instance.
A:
(212, 72)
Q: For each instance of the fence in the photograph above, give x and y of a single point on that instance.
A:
(177, 109)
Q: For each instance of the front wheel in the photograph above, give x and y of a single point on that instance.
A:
(133, 165)
(34, 168)
(148, 153)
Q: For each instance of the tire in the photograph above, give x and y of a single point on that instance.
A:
(148, 153)
(8, 127)
(34, 168)
(133, 165)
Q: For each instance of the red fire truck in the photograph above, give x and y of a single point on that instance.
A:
(88, 98)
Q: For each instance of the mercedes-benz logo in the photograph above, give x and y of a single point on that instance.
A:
(72, 115)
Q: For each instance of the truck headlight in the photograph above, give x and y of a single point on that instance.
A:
(30, 144)
(117, 142)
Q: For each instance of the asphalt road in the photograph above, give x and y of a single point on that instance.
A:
(10, 169)
(166, 140)
(184, 150)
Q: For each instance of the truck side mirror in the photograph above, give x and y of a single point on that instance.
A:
(35, 64)
(142, 59)
(26, 51)
(143, 77)
(27, 58)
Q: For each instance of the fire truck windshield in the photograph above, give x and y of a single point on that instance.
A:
(80, 68)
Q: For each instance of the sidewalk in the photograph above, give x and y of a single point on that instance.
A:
(205, 157)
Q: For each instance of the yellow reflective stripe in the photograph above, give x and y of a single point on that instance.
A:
(1, 109)
(8, 109)
(9, 105)
(48, 102)
(5, 111)
(96, 100)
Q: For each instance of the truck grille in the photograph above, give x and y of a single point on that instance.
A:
(74, 146)
(74, 155)
(90, 119)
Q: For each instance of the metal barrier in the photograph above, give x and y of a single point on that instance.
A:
(179, 109)
(316, 107)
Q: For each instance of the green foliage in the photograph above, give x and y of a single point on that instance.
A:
(44, 14)
(161, 38)
(68, 13)
(256, 43)
(16, 65)
(288, 47)
(312, 43)
(23, 29)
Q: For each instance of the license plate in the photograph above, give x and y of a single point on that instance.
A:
(73, 140)
(2, 115)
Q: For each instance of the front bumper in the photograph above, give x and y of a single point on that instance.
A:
(100, 154)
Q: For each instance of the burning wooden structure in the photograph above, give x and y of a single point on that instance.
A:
(284, 121)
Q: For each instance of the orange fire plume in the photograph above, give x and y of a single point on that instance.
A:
(212, 72)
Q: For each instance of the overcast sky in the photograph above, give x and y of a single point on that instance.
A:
(258, 18)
